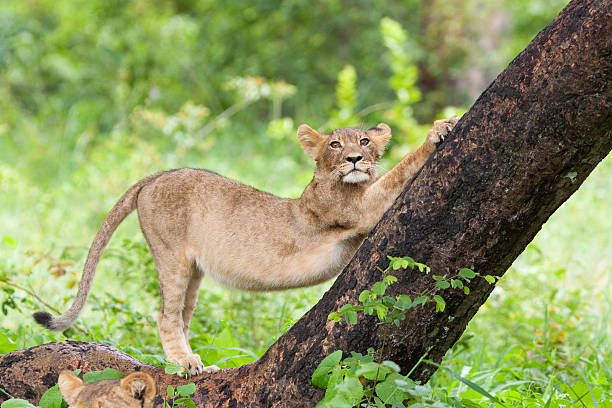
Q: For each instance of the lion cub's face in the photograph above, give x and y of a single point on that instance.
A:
(137, 390)
(346, 154)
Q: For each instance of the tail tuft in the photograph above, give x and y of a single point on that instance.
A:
(44, 319)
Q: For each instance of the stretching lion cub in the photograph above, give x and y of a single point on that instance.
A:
(137, 390)
(197, 222)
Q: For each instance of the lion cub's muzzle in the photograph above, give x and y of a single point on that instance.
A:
(355, 170)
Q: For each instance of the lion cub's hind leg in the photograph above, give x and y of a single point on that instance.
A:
(174, 272)
(191, 299)
(174, 284)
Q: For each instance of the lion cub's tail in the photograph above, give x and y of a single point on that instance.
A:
(125, 205)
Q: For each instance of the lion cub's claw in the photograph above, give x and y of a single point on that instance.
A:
(211, 369)
(441, 129)
(193, 366)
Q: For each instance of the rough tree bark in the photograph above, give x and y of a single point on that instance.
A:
(524, 147)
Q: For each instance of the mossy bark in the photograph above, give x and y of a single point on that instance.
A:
(525, 146)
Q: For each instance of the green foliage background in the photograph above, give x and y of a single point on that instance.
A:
(97, 94)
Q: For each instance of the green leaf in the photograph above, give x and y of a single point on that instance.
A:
(186, 390)
(423, 268)
(172, 368)
(350, 390)
(466, 273)
(350, 317)
(490, 279)
(456, 283)
(320, 377)
(389, 392)
(372, 371)
(421, 300)
(332, 316)
(388, 301)
(185, 402)
(335, 402)
(341, 394)
(438, 278)
(403, 302)
(392, 365)
(335, 377)
(419, 391)
(443, 285)
(389, 279)
(6, 344)
(52, 398)
(365, 295)
(405, 384)
(440, 303)
(170, 391)
(379, 288)
(106, 374)
(401, 263)
(466, 290)
(345, 308)
(16, 403)
(358, 357)
(381, 311)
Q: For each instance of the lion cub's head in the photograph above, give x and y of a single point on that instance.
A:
(348, 155)
(134, 391)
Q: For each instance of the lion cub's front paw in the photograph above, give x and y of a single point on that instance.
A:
(193, 365)
(440, 129)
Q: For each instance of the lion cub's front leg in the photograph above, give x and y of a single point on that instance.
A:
(380, 196)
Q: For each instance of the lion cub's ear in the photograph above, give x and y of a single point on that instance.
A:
(310, 140)
(380, 135)
(70, 386)
(141, 387)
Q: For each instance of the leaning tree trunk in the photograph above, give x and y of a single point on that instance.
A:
(525, 146)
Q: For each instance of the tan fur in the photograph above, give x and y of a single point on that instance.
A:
(197, 222)
(137, 390)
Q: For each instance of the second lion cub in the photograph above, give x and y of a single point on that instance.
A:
(197, 222)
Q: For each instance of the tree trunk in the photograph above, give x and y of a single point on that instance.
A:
(525, 146)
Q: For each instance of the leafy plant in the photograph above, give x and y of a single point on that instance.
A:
(360, 379)
(392, 310)
(179, 397)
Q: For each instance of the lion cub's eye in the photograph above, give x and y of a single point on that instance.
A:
(335, 145)
(364, 142)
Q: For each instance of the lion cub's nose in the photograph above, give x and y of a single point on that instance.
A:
(353, 158)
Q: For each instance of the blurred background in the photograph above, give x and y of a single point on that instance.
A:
(97, 94)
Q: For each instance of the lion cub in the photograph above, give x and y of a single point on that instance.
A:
(197, 222)
(137, 390)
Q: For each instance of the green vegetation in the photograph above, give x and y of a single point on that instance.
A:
(367, 381)
(95, 95)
